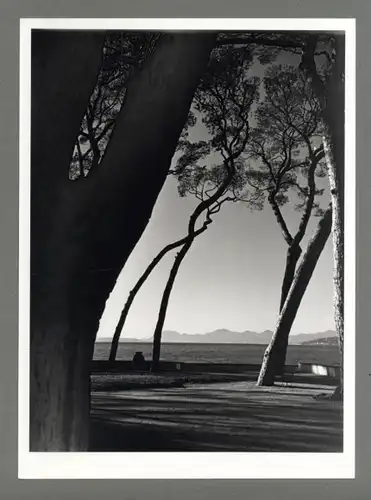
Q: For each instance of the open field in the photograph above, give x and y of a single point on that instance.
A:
(221, 353)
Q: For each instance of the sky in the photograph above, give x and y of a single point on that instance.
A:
(231, 278)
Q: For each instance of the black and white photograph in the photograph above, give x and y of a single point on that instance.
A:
(187, 242)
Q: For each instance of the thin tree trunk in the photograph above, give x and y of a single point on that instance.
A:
(165, 302)
(294, 251)
(303, 275)
(84, 231)
(204, 206)
(292, 258)
(138, 286)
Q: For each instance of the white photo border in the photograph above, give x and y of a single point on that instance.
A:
(185, 465)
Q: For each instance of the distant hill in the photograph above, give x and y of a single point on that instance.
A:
(220, 336)
(224, 336)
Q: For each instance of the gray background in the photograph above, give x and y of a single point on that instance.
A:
(11, 487)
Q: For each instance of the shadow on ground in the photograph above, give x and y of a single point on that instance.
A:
(234, 416)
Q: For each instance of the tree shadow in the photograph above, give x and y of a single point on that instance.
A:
(215, 419)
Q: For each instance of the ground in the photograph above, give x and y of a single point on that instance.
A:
(220, 416)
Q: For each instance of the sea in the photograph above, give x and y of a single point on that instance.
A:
(220, 353)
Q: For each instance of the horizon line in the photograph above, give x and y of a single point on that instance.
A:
(213, 331)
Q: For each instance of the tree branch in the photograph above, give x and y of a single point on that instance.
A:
(284, 44)
(281, 221)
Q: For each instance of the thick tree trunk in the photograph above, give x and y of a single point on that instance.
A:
(84, 231)
(335, 119)
(64, 71)
(302, 277)
(138, 286)
(331, 95)
(338, 250)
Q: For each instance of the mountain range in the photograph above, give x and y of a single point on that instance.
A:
(224, 336)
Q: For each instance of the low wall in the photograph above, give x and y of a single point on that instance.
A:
(122, 366)
(324, 371)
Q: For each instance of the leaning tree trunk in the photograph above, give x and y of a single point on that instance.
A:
(294, 253)
(292, 259)
(84, 231)
(140, 283)
(302, 277)
(201, 208)
(165, 302)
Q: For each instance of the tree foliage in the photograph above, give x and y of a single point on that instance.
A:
(222, 104)
(286, 139)
(123, 54)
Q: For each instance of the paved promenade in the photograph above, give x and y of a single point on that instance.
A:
(233, 416)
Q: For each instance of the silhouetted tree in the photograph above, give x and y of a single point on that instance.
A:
(83, 232)
(224, 99)
(299, 284)
(322, 60)
(284, 148)
(199, 181)
(143, 278)
(123, 54)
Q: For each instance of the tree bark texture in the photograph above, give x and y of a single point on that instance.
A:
(84, 231)
(338, 253)
(302, 277)
(331, 95)
(334, 144)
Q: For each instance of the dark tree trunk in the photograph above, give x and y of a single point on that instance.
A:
(294, 250)
(84, 231)
(138, 286)
(202, 207)
(64, 71)
(292, 259)
(165, 302)
(302, 277)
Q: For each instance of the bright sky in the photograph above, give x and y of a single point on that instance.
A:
(231, 278)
